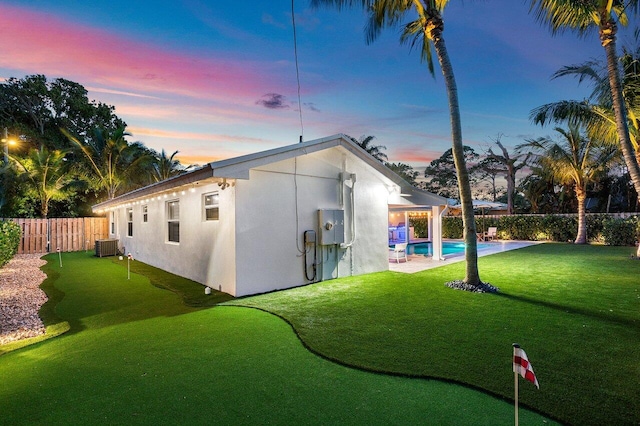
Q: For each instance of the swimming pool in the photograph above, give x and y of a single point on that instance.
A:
(448, 248)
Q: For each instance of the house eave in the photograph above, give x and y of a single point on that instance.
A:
(240, 167)
(190, 178)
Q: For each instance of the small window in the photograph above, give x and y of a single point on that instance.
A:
(173, 221)
(129, 222)
(112, 222)
(211, 204)
(145, 217)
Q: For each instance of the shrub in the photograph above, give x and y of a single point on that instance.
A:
(420, 226)
(620, 232)
(9, 239)
(560, 228)
(519, 227)
(600, 228)
(595, 227)
(452, 227)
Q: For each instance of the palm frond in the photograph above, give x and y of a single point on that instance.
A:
(562, 111)
(562, 15)
(340, 4)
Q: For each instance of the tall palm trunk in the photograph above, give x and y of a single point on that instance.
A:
(44, 208)
(471, 250)
(608, 39)
(581, 195)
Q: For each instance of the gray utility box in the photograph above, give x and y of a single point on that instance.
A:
(106, 248)
(331, 225)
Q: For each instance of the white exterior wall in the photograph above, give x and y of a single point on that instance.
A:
(206, 251)
(255, 246)
(270, 236)
(371, 247)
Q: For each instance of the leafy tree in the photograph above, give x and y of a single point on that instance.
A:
(47, 174)
(539, 189)
(576, 161)
(405, 171)
(488, 169)
(58, 116)
(374, 150)
(38, 108)
(510, 168)
(426, 30)
(442, 174)
(603, 15)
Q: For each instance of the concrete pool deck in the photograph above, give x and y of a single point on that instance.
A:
(418, 262)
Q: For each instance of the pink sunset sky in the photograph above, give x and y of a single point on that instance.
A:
(219, 82)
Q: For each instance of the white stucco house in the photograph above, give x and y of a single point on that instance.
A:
(276, 219)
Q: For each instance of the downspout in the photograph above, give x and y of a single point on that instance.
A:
(352, 221)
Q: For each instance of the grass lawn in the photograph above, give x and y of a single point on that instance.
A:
(137, 354)
(574, 310)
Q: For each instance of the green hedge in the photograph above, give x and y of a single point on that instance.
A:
(601, 228)
(620, 232)
(9, 239)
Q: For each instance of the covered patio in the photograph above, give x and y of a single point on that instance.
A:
(413, 203)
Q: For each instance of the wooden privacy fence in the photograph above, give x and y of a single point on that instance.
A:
(73, 234)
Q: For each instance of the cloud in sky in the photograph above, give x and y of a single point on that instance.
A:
(273, 101)
(311, 106)
(118, 92)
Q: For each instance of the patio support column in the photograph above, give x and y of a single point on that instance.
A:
(430, 226)
(406, 227)
(436, 241)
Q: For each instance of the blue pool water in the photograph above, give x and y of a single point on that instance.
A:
(448, 248)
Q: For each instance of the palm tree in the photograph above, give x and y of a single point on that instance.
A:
(597, 111)
(113, 162)
(47, 173)
(405, 171)
(576, 161)
(374, 150)
(427, 30)
(581, 16)
(163, 167)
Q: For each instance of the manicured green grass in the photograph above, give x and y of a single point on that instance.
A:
(575, 310)
(136, 354)
(192, 295)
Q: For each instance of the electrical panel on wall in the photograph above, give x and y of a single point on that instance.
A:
(331, 224)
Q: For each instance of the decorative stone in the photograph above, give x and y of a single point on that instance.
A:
(480, 288)
(21, 298)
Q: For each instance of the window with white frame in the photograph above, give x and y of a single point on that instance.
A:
(173, 221)
(145, 214)
(129, 222)
(112, 222)
(211, 206)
